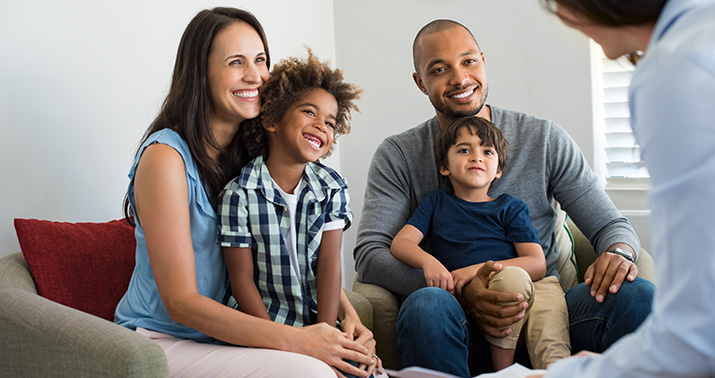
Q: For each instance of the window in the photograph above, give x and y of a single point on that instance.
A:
(618, 158)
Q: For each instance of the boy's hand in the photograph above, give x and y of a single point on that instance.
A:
(437, 275)
(463, 276)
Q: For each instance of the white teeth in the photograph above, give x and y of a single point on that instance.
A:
(315, 142)
(244, 94)
(463, 95)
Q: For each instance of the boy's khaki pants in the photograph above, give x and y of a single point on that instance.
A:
(546, 322)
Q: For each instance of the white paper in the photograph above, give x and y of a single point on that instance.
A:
(513, 371)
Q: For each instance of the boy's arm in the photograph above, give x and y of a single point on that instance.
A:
(328, 276)
(239, 262)
(405, 247)
(531, 258)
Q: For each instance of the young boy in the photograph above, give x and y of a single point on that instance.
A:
(466, 228)
(282, 219)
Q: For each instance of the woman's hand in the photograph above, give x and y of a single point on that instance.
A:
(333, 347)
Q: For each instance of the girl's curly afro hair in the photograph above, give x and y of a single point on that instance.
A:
(290, 80)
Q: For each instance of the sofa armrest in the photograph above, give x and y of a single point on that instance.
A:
(362, 307)
(15, 273)
(586, 255)
(44, 338)
(385, 306)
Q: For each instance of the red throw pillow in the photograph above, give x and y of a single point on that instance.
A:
(86, 266)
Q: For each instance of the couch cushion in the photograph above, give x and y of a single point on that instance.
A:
(86, 266)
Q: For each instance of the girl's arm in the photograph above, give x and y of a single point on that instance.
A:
(239, 262)
(405, 247)
(350, 324)
(161, 200)
(328, 276)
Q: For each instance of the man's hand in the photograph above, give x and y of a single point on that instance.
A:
(463, 276)
(484, 304)
(607, 273)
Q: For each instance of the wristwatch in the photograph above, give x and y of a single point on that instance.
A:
(627, 255)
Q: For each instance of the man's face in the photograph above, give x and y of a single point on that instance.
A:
(451, 72)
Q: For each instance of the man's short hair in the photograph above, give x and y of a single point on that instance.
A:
(433, 27)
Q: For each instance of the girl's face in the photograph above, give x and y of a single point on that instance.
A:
(236, 69)
(305, 133)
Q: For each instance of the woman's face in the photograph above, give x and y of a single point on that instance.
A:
(615, 41)
(236, 69)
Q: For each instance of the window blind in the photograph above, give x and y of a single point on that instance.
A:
(621, 152)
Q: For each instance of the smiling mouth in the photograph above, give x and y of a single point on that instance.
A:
(245, 93)
(462, 95)
(316, 143)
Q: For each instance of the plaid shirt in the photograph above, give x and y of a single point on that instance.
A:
(252, 214)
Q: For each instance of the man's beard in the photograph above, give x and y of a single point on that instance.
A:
(446, 110)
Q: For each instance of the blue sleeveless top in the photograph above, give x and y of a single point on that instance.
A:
(141, 305)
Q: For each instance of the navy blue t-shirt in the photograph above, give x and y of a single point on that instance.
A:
(463, 233)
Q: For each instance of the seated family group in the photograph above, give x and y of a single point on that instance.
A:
(230, 201)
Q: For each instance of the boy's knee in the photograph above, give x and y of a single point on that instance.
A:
(512, 279)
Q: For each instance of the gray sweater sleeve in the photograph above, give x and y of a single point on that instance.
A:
(576, 188)
(396, 181)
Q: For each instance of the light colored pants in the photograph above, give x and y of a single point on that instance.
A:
(546, 324)
(188, 358)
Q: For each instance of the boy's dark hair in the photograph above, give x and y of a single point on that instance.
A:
(290, 80)
(488, 132)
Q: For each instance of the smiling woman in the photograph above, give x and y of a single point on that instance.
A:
(176, 296)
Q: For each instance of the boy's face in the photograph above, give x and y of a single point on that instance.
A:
(472, 166)
(306, 131)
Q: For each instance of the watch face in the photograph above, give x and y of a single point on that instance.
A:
(623, 253)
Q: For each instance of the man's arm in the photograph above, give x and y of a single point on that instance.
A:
(386, 208)
(576, 188)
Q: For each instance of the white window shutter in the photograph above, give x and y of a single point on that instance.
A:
(621, 153)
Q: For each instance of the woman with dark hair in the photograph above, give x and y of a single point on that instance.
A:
(672, 104)
(192, 149)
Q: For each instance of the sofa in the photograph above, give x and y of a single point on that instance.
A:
(57, 299)
(572, 266)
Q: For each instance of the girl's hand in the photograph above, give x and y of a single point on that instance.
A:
(333, 347)
(355, 330)
(436, 275)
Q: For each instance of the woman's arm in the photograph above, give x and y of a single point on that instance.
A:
(239, 262)
(405, 247)
(161, 199)
(328, 276)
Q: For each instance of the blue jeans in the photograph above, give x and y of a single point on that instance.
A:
(433, 332)
(596, 326)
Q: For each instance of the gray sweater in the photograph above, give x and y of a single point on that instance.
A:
(544, 164)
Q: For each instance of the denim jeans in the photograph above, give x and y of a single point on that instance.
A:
(433, 332)
(595, 326)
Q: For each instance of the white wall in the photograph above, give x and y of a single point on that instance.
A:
(80, 81)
